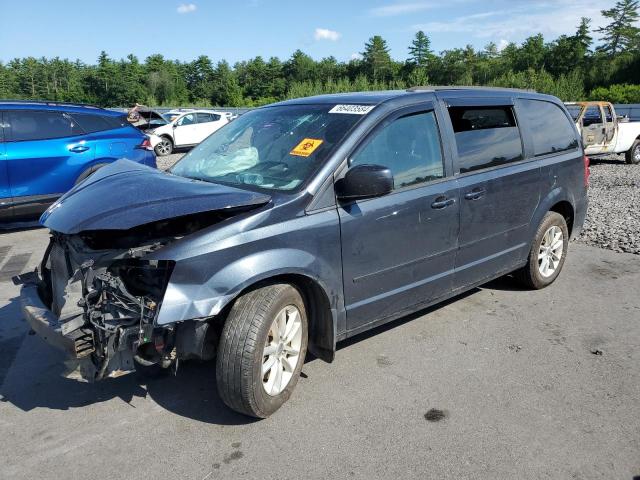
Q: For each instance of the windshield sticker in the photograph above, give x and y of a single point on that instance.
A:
(306, 147)
(352, 109)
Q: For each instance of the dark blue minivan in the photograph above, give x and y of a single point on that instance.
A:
(303, 223)
(46, 148)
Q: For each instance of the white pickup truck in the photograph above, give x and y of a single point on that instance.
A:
(604, 132)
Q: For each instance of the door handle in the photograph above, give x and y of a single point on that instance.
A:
(475, 194)
(442, 202)
(79, 149)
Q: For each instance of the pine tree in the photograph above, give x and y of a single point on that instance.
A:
(621, 34)
(420, 50)
(582, 36)
(376, 59)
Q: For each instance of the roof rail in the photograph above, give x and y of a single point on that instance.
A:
(433, 88)
(48, 102)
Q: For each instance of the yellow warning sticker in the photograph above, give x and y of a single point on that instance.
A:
(306, 147)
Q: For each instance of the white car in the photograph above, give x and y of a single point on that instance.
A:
(188, 129)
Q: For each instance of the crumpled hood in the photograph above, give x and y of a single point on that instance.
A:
(125, 194)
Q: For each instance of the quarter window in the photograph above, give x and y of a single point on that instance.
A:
(33, 125)
(409, 146)
(551, 130)
(485, 137)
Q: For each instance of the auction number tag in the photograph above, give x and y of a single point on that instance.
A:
(306, 147)
(352, 109)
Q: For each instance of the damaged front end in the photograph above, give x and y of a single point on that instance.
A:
(106, 303)
(97, 293)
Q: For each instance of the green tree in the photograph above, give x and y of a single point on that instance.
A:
(621, 34)
(376, 59)
(420, 50)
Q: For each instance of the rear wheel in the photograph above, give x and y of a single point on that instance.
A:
(548, 252)
(164, 147)
(262, 350)
(633, 154)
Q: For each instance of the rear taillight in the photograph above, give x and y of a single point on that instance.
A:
(587, 170)
(146, 144)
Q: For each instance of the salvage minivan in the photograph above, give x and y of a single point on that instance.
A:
(304, 223)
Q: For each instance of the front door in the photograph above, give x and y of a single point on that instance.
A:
(593, 127)
(398, 250)
(185, 130)
(499, 191)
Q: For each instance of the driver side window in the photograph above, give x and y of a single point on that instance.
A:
(409, 146)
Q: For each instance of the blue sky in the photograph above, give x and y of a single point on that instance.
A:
(241, 29)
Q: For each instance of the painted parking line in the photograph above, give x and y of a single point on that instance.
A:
(14, 266)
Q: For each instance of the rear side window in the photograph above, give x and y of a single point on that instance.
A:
(409, 146)
(208, 117)
(550, 128)
(91, 123)
(33, 125)
(485, 136)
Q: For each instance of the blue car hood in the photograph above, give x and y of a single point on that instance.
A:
(125, 194)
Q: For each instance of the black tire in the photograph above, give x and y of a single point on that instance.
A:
(632, 156)
(164, 147)
(89, 171)
(530, 275)
(240, 351)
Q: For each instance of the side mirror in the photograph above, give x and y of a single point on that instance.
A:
(365, 181)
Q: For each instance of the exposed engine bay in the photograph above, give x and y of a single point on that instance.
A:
(106, 297)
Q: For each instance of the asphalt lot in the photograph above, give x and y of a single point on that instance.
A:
(499, 383)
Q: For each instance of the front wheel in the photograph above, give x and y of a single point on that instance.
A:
(547, 254)
(262, 350)
(164, 147)
(633, 154)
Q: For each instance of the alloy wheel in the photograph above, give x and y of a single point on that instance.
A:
(550, 251)
(281, 350)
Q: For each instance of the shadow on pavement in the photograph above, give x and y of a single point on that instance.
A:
(33, 375)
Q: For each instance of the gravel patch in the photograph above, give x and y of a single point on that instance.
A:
(613, 218)
(169, 160)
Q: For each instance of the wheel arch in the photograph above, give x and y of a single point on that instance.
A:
(322, 322)
(564, 208)
(558, 200)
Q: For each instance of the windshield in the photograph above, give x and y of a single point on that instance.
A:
(272, 148)
(574, 111)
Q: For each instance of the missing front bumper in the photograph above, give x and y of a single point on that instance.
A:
(78, 344)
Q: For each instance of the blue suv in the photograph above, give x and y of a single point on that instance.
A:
(46, 148)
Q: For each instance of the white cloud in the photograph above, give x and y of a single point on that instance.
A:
(502, 44)
(356, 56)
(521, 21)
(400, 9)
(186, 8)
(326, 34)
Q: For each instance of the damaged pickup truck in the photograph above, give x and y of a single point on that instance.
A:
(304, 223)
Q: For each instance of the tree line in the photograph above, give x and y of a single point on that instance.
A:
(571, 67)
